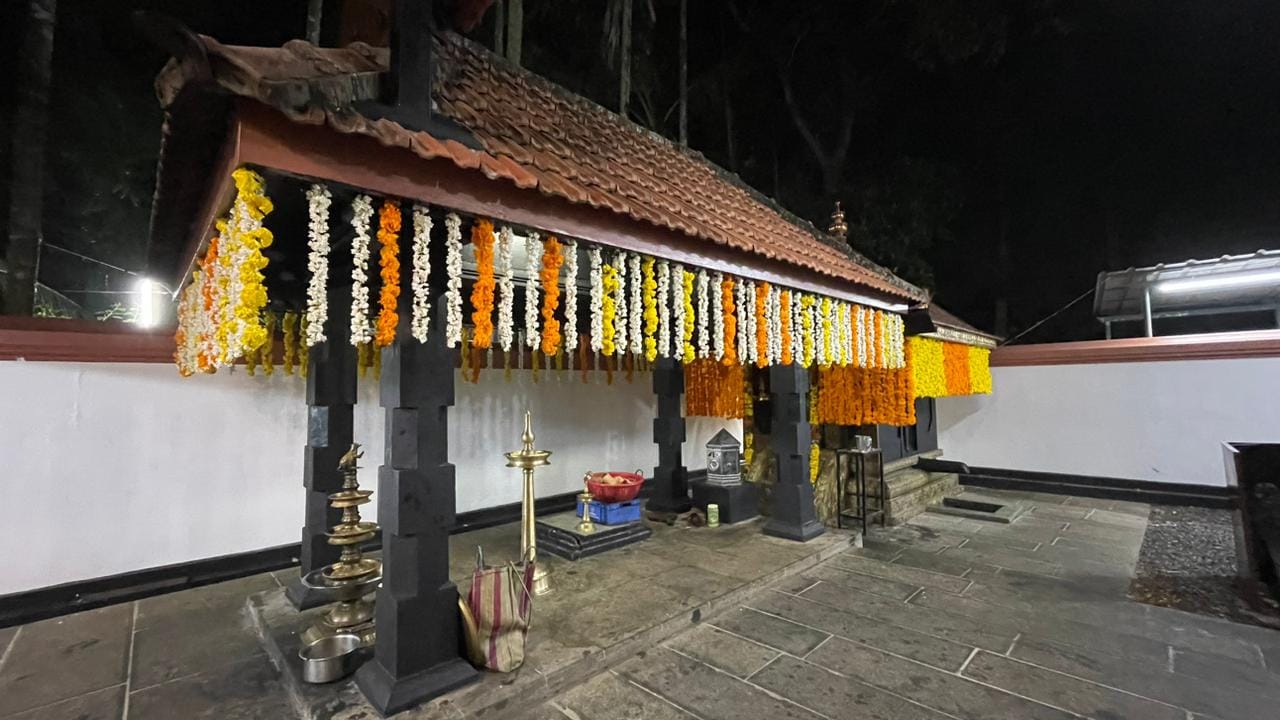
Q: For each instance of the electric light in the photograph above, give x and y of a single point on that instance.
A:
(146, 289)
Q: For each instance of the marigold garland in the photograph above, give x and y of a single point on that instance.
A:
(649, 300)
(552, 259)
(979, 370)
(730, 321)
(608, 305)
(784, 310)
(482, 292)
(955, 363)
(687, 317)
(389, 261)
(290, 327)
(713, 389)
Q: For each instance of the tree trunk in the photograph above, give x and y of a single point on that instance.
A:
(515, 30)
(26, 170)
(730, 146)
(499, 26)
(315, 11)
(624, 84)
(684, 72)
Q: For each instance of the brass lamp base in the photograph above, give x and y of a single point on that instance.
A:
(541, 579)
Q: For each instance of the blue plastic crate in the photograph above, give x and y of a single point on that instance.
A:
(613, 513)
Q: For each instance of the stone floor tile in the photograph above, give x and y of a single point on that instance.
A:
(610, 697)
(66, 657)
(202, 640)
(1103, 533)
(934, 562)
(879, 550)
(771, 631)
(1005, 558)
(998, 542)
(104, 704)
(901, 573)
(1217, 669)
(1061, 512)
(249, 690)
(884, 587)
(695, 585)
(1065, 691)
(1228, 696)
(948, 626)
(602, 616)
(176, 607)
(836, 696)
(941, 691)
(795, 584)
(1122, 519)
(928, 649)
(6, 637)
(719, 649)
(705, 692)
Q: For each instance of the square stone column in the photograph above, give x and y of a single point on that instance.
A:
(794, 514)
(416, 656)
(669, 491)
(331, 399)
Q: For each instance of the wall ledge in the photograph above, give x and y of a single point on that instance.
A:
(53, 340)
(1215, 346)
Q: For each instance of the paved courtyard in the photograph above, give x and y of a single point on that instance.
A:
(943, 617)
(950, 617)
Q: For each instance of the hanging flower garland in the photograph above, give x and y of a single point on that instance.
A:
(704, 308)
(570, 295)
(597, 300)
(212, 302)
(533, 266)
(664, 309)
(621, 326)
(784, 310)
(751, 315)
(797, 330)
(186, 341)
(713, 389)
(842, 331)
(389, 261)
(635, 313)
(687, 316)
(242, 324)
(806, 330)
(979, 370)
(860, 336)
(717, 316)
(677, 311)
(742, 313)
(760, 325)
(609, 309)
(506, 289)
(289, 325)
(955, 364)
(361, 214)
(728, 322)
(318, 201)
(482, 240)
(649, 298)
(552, 259)
(453, 286)
(775, 325)
(419, 281)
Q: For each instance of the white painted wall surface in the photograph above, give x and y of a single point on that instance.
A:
(109, 468)
(1159, 421)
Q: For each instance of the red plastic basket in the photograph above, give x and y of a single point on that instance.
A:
(621, 492)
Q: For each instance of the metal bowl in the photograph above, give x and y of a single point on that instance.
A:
(330, 658)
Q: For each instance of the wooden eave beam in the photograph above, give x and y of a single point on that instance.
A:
(267, 138)
(217, 200)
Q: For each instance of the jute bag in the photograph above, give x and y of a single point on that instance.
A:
(501, 601)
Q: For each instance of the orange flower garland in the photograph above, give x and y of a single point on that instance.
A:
(713, 389)
(762, 327)
(784, 309)
(482, 292)
(209, 292)
(850, 395)
(552, 259)
(389, 261)
(730, 322)
(955, 365)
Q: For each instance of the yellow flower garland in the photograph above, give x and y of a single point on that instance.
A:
(608, 302)
(648, 297)
(826, 329)
(979, 370)
(253, 294)
(689, 353)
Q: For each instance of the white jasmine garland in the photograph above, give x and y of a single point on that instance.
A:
(620, 324)
(860, 337)
(900, 340)
(677, 311)
(453, 287)
(797, 329)
(318, 201)
(753, 349)
(819, 334)
(636, 314)
(506, 289)
(361, 214)
(741, 312)
(664, 309)
(704, 307)
(839, 333)
(570, 295)
(533, 251)
(847, 329)
(421, 315)
(775, 325)
(597, 298)
(717, 316)
(880, 335)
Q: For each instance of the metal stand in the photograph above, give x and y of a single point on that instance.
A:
(859, 460)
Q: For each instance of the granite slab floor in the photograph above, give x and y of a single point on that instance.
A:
(948, 617)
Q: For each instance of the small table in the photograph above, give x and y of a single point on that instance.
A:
(859, 460)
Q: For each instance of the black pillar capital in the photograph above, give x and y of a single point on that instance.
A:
(670, 488)
(794, 515)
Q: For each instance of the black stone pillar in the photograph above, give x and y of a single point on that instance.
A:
(670, 490)
(416, 654)
(794, 515)
(331, 399)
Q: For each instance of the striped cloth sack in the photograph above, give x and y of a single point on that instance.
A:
(501, 601)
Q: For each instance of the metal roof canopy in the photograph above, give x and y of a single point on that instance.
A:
(1231, 283)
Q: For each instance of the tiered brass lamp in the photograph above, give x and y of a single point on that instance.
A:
(527, 459)
(348, 581)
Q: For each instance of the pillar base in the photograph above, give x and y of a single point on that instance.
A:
(390, 695)
(794, 517)
(668, 504)
(302, 597)
(737, 502)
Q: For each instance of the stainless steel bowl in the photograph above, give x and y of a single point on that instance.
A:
(330, 658)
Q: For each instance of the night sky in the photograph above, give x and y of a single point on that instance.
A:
(1000, 153)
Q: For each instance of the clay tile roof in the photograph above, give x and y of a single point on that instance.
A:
(534, 134)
